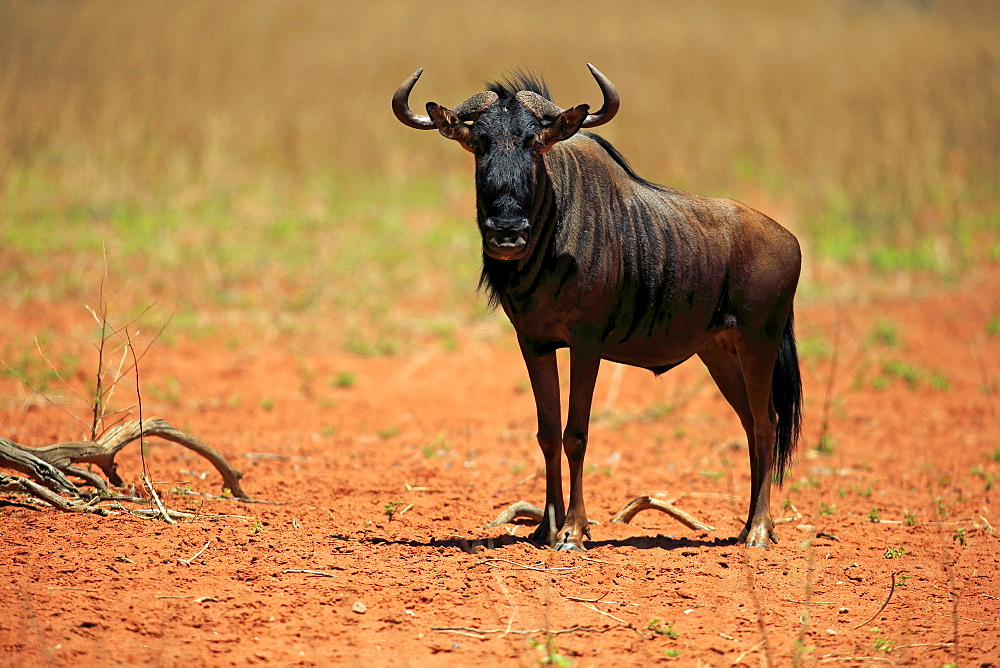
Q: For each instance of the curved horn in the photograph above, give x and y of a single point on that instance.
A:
(611, 101)
(401, 106)
(539, 107)
(475, 105)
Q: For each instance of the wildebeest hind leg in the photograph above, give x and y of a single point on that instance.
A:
(724, 368)
(757, 360)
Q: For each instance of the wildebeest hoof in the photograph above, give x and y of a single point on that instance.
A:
(759, 537)
(569, 543)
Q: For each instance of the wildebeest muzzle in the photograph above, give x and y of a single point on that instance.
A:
(505, 238)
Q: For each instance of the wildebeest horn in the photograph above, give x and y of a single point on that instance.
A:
(401, 106)
(611, 101)
(467, 111)
(539, 107)
(543, 109)
(475, 105)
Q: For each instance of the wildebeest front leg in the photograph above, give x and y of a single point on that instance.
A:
(585, 361)
(544, 375)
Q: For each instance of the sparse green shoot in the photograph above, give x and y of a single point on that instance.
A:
(885, 334)
(882, 645)
(993, 325)
(892, 552)
(392, 508)
(344, 379)
(657, 627)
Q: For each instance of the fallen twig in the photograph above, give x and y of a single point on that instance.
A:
(744, 654)
(519, 509)
(468, 634)
(324, 574)
(646, 502)
(828, 658)
(176, 514)
(187, 562)
(9, 483)
(967, 619)
(598, 561)
(530, 568)
(586, 600)
(892, 588)
(609, 615)
(572, 629)
(786, 520)
(924, 644)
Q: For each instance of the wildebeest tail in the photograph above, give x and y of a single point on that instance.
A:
(786, 389)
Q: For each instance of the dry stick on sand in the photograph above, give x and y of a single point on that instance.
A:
(102, 452)
(482, 632)
(529, 568)
(892, 588)
(646, 502)
(187, 562)
(49, 465)
(146, 480)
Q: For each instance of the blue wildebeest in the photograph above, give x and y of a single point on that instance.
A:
(581, 252)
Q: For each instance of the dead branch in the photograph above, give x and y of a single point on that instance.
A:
(18, 458)
(102, 452)
(9, 483)
(519, 509)
(640, 503)
(48, 466)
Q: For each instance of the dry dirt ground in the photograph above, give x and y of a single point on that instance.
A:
(380, 474)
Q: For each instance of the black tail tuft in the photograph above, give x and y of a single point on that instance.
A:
(786, 387)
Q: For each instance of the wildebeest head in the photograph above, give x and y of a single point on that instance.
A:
(507, 131)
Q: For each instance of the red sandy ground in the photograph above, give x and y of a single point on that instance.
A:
(451, 432)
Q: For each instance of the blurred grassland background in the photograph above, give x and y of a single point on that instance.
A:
(240, 163)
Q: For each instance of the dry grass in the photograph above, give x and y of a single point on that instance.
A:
(196, 125)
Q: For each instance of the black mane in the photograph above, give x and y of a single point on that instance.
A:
(622, 161)
(517, 81)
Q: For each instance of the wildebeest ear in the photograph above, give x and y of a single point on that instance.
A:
(449, 124)
(564, 126)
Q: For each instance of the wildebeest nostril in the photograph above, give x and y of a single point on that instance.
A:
(507, 224)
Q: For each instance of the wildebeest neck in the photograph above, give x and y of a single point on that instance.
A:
(638, 250)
